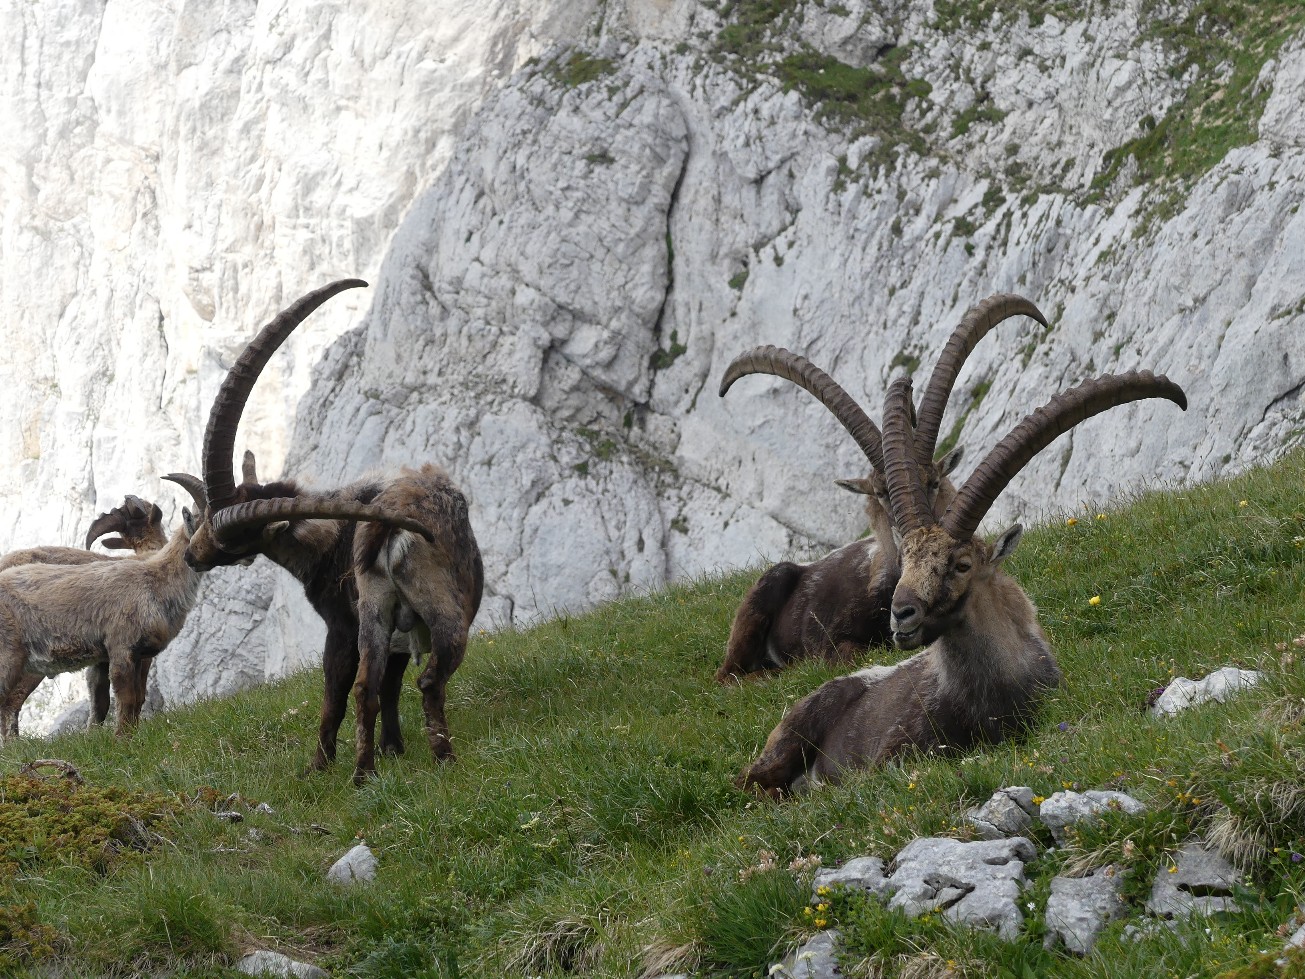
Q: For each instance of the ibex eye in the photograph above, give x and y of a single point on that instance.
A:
(963, 566)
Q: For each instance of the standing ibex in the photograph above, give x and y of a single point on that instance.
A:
(838, 606)
(411, 566)
(139, 525)
(57, 618)
(987, 662)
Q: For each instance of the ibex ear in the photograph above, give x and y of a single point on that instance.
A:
(275, 528)
(1005, 545)
(862, 486)
(950, 460)
(188, 520)
(248, 468)
(115, 543)
(897, 538)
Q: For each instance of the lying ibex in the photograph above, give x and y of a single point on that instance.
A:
(412, 566)
(838, 606)
(139, 525)
(57, 618)
(986, 661)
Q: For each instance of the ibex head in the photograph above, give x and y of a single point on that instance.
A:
(239, 521)
(942, 559)
(137, 522)
(936, 484)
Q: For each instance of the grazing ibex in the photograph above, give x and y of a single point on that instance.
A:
(57, 618)
(986, 662)
(139, 525)
(838, 606)
(411, 566)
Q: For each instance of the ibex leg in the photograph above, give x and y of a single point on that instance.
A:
(375, 623)
(13, 703)
(97, 688)
(391, 686)
(339, 667)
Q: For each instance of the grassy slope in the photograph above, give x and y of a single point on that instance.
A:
(589, 824)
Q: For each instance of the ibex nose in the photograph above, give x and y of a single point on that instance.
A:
(904, 617)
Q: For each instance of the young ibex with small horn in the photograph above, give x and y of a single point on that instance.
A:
(139, 526)
(838, 606)
(57, 618)
(986, 662)
(411, 565)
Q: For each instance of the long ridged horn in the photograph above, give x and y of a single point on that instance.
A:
(233, 521)
(112, 521)
(1038, 430)
(974, 326)
(224, 417)
(192, 485)
(906, 492)
(806, 375)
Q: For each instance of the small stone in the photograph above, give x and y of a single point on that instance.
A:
(978, 884)
(864, 874)
(266, 963)
(265, 809)
(1201, 883)
(1065, 809)
(1219, 686)
(1001, 816)
(1079, 907)
(359, 864)
(229, 816)
(1023, 796)
(817, 959)
(1297, 940)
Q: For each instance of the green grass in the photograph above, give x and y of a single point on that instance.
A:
(589, 826)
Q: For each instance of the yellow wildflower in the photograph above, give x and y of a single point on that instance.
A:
(1094, 600)
(1072, 521)
(1243, 502)
(1101, 516)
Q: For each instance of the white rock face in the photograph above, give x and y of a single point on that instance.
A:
(566, 253)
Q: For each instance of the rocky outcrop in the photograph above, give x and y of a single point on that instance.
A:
(565, 253)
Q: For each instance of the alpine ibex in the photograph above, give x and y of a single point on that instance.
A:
(986, 662)
(411, 566)
(838, 606)
(139, 525)
(57, 618)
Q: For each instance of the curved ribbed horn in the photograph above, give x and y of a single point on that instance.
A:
(974, 326)
(224, 417)
(906, 492)
(1038, 430)
(192, 485)
(112, 521)
(230, 523)
(806, 375)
